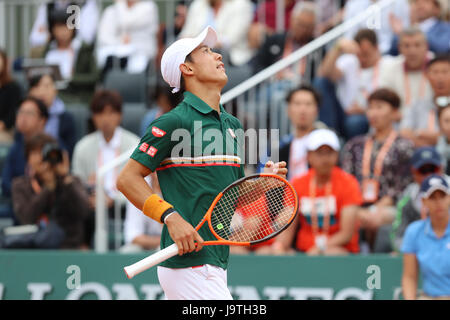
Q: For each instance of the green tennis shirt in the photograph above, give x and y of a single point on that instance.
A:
(196, 153)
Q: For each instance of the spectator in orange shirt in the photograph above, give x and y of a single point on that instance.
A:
(328, 202)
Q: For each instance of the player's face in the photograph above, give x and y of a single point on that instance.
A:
(207, 66)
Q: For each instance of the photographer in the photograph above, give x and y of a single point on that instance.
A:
(47, 193)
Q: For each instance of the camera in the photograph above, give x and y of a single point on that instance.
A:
(52, 153)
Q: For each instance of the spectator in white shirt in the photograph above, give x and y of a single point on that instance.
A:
(230, 18)
(74, 58)
(98, 148)
(87, 20)
(353, 66)
(421, 122)
(406, 73)
(128, 31)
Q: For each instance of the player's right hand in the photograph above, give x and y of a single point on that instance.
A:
(183, 234)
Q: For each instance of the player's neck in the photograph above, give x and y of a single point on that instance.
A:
(208, 94)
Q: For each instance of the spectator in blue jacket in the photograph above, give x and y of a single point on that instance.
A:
(426, 245)
(60, 124)
(30, 120)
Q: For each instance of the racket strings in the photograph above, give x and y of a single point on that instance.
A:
(253, 210)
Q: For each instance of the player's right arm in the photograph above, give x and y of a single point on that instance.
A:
(152, 149)
(131, 182)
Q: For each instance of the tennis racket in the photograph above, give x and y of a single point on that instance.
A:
(251, 210)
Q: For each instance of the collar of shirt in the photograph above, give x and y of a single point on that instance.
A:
(430, 232)
(427, 24)
(114, 143)
(57, 107)
(75, 44)
(198, 104)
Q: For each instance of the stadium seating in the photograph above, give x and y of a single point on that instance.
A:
(132, 115)
(81, 116)
(131, 86)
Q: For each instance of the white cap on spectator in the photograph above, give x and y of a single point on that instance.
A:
(176, 54)
(322, 137)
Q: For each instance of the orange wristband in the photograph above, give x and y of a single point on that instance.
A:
(155, 207)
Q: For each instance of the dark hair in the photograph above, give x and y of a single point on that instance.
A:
(304, 87)
(5, 76)
(439, 58)
(34, 80)
(42, 108)
(103, 98)
(366, 34)
(163, 89)
(58, 17)
(37, 142)
(386, 95)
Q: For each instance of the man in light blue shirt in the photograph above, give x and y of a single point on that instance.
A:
(426, 244)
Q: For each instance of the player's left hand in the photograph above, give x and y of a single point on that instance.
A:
(278, 168)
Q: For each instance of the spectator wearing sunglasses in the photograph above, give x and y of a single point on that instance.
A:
(425, 162)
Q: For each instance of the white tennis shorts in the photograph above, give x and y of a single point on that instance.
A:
(205, 282)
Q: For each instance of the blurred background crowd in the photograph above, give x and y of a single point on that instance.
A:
(87, 86)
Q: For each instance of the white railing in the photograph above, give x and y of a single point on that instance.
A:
(250, 102)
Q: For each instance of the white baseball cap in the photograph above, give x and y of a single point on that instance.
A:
(176, 54)
(322, 137)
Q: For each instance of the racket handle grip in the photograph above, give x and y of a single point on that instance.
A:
(151, 261)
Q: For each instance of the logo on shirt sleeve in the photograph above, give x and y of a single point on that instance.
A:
(152, 151)
(143, 147)
(157, 132)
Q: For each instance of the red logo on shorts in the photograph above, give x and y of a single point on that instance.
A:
(157, 132)
(152, 151)
(143, 147)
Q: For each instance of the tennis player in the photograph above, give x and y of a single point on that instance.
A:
(189, 181)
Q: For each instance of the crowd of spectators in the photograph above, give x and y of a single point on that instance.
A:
(370, 119)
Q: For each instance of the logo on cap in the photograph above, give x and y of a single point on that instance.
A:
(157, 132)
